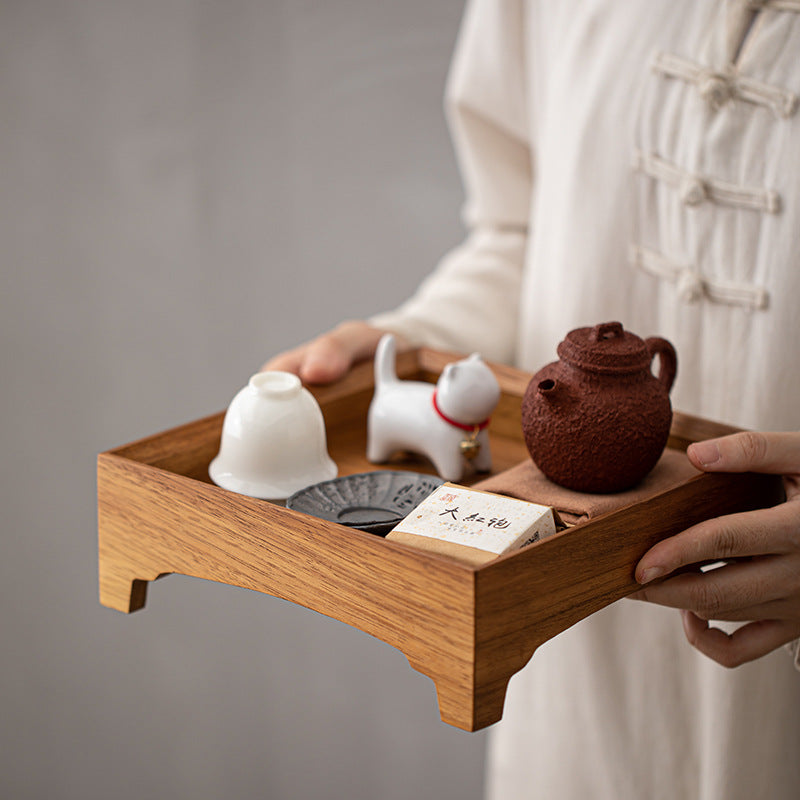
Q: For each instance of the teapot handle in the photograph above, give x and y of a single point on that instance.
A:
(668, 360)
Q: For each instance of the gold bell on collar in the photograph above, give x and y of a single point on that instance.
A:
(470, 446)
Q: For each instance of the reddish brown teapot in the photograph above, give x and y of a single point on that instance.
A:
(598, 419)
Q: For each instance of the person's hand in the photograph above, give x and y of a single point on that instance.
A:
(760, 581)
(328, 357)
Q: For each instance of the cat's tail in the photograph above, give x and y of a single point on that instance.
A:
(385, 361)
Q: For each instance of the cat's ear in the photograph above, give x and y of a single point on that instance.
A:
(450, 372)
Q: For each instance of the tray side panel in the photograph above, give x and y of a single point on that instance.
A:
(686, 429)
(527, 598)
(185, 450)
(153, 522)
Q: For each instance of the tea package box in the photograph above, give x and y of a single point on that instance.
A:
(473, 526)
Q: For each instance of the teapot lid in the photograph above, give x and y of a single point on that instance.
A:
(605, 348)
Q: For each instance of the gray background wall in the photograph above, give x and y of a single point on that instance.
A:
(186, 187)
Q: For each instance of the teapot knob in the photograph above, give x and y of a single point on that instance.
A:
(607, 330)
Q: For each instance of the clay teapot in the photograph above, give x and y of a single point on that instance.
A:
(598, 420)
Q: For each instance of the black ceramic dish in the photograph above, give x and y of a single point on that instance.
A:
(370, 501)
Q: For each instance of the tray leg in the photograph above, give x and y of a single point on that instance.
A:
(465, 701)
(129, 557)
(123, 594)
(456, 697)
(123, 584)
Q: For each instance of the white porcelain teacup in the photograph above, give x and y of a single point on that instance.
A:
(273, 440)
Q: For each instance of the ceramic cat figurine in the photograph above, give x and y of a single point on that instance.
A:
(447, 422)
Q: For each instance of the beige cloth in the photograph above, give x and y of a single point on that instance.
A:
(526, 482)
(635, 160)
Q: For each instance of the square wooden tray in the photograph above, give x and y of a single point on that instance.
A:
(468, 628)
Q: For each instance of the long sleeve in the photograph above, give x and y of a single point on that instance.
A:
(470, 301)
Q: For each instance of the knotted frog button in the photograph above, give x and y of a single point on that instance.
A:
(789, 105)
(690, 286)
(715, 89)
(693, 190)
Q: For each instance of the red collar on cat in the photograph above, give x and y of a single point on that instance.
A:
(477, 427)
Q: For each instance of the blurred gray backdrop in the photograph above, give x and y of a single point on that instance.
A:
(186, 187)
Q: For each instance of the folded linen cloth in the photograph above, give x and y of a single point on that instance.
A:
(526, 481)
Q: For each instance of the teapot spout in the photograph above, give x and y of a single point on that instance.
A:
(549, 389)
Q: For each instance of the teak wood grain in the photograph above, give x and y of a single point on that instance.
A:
(468, 628)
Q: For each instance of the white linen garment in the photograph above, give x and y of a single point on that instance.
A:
(639, 161)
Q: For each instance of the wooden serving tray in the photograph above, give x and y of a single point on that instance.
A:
(468, 628)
